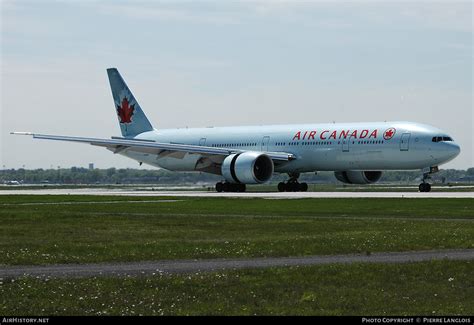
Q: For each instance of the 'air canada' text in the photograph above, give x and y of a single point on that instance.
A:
(341, 134)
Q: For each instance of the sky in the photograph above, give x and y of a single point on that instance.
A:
(227, 63)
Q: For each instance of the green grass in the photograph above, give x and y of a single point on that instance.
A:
(78, 229)
(429, 288)
(115, 229)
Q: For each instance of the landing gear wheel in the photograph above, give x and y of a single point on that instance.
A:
(424, 187)
(230, 187)
(303, 187)
(226, 187)
(281, 187)
(292, 187)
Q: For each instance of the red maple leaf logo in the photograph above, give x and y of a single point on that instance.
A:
(125, 111)
(389, 134)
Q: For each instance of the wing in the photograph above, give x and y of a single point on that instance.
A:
(118, 145)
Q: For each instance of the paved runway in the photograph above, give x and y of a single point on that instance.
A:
(268, 195)
(194, 266)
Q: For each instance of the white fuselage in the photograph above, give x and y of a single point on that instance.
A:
(317, 147)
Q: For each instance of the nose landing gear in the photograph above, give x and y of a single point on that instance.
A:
(426, 187)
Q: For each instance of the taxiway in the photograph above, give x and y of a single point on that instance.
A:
(211, 265)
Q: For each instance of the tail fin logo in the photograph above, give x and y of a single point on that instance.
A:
(125, 111)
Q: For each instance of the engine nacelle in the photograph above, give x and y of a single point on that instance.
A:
(247, 168)
(358, 177)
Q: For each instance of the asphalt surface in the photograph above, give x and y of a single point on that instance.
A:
(195, 266)
(268, 195)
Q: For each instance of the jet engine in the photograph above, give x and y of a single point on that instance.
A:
(358, 177)
(247, 168)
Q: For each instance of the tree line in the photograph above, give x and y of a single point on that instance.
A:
(78, 175)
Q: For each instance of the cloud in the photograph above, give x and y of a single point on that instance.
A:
(172, 11)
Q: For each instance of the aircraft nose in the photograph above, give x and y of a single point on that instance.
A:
(447, 152)
(454, 149)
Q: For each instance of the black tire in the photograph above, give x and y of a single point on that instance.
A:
(424, 187)
(226, 187)
(219, 187)
(303, 187)
(281, 187)
(293, 187)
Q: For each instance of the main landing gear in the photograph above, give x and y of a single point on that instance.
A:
(230, 187)
(292, 184)
(426, 187)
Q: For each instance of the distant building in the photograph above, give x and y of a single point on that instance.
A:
(91, 166)
(12, 183)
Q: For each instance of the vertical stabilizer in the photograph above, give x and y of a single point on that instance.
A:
(132, 120)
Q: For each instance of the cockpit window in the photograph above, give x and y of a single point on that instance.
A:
(439, 139)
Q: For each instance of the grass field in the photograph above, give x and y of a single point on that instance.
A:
(79, 229)
(434, 288)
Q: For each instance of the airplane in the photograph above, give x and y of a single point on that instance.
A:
(357, 153)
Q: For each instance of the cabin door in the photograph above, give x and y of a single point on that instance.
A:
(265, 142)
(405, 141)
(345, 145)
